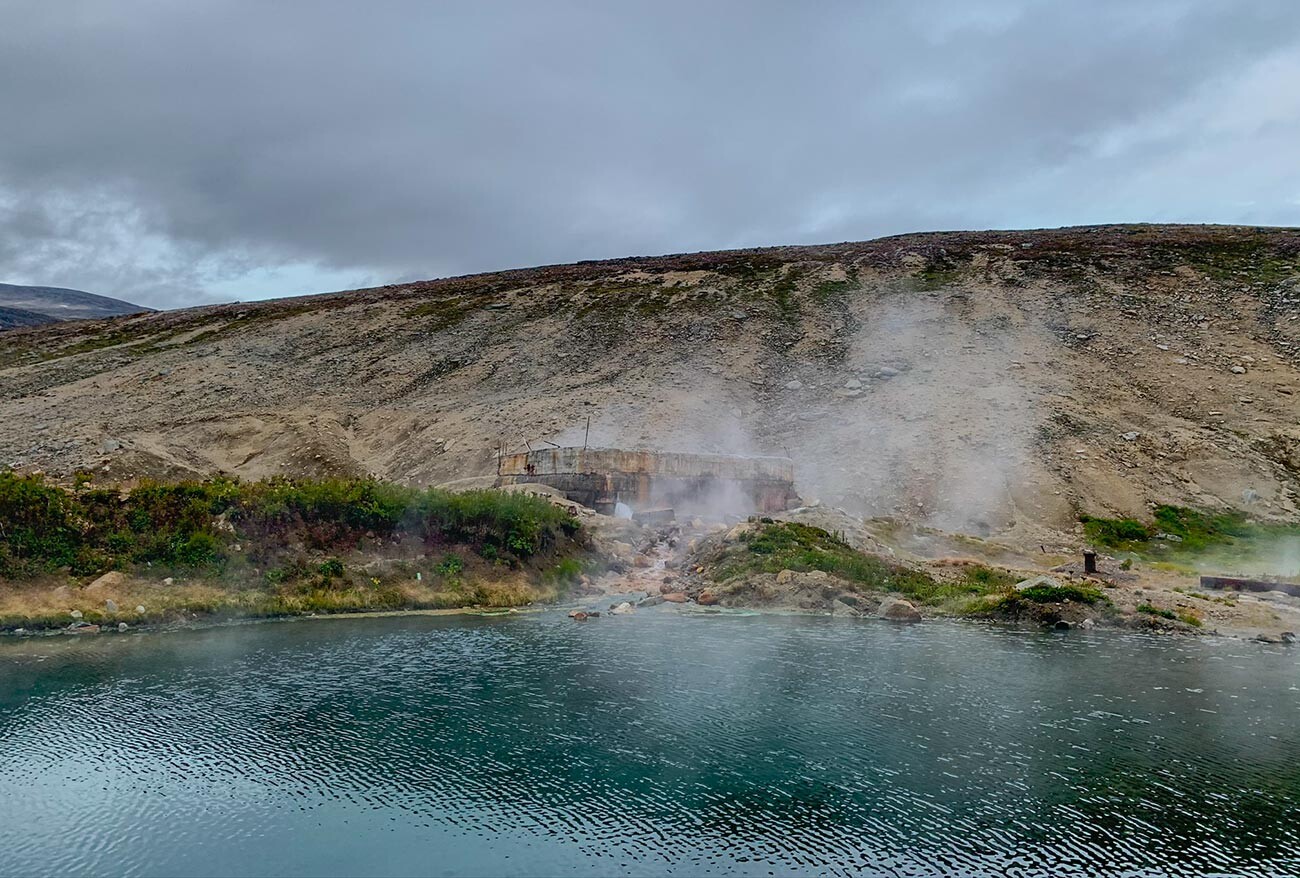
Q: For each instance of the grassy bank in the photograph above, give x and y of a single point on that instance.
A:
(1184, 536)
(222, 547)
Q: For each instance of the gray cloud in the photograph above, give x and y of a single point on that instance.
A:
(176, 153)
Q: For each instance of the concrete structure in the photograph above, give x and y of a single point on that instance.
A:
(690, 483)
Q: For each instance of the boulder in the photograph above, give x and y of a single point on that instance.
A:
(840, 608)
(652, 600)
(578, 615)
(112, 579)
(707, 599)
(676, 597)
(84, 629)
(76, 614)
(623, 609)
(139, 608)
(122, 626)
(1047, 581)
(110, 606)
(898, 610)
(785, 577)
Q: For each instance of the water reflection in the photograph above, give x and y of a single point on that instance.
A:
(532, 745)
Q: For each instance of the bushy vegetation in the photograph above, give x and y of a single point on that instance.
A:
(1178, 530)
(192, 525)
(1059, 594)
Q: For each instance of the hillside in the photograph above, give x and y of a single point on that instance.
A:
(984, 382)
(31, 306)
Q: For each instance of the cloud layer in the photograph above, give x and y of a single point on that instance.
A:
(177, 153)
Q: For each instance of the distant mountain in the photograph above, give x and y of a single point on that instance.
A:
(19, 305)
(13, 318)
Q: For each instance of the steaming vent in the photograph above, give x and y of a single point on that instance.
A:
(706, 485)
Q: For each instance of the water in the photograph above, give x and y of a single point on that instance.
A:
(647, 745)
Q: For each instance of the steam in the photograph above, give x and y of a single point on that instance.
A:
(925, 413)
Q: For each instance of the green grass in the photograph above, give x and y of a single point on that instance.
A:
(1059, 594)
(192, 525)
(1194, 532)
(777, 546)
(1161, 612)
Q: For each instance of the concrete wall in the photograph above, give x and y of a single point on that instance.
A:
(690, 483)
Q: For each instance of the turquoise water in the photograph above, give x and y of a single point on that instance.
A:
(531, 745)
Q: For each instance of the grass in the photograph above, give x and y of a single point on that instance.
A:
(297, 546)
(1161, 612)
(1180, 531)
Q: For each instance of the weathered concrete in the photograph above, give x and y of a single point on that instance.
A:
(689, 483)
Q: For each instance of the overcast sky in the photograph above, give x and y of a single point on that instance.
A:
(174, 153)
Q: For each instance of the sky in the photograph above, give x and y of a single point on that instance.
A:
(179, 153)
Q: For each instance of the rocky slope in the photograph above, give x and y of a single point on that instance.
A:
(991, 383)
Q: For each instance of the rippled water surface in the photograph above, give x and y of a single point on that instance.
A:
(536, 745)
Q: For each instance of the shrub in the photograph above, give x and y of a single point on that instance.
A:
(1059, 594)
(1150, 610)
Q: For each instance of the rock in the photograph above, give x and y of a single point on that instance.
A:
(707, 599)
(139, 608)
(112, 445)
(578, 615)
(76, 614)
(623, 609)
(1087, 623)
(785, 577)
(84, 629)
(676, 597)
(852, 384)
(840, 608)
(122, 626)
(1131, 436)
(168, 581)
(898, 610)
(887, 372)
(1269, 638)
(110, 606)
(652, 600)
(817, 576)
(1045, 581)
(1238, 370)
(112, 579)
(794, 385)
(1287, 636)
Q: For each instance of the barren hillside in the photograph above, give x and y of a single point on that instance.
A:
(988, 382)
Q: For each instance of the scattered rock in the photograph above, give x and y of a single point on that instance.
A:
(113, 579)
(898, 610)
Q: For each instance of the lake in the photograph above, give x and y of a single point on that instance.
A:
(534, 745)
